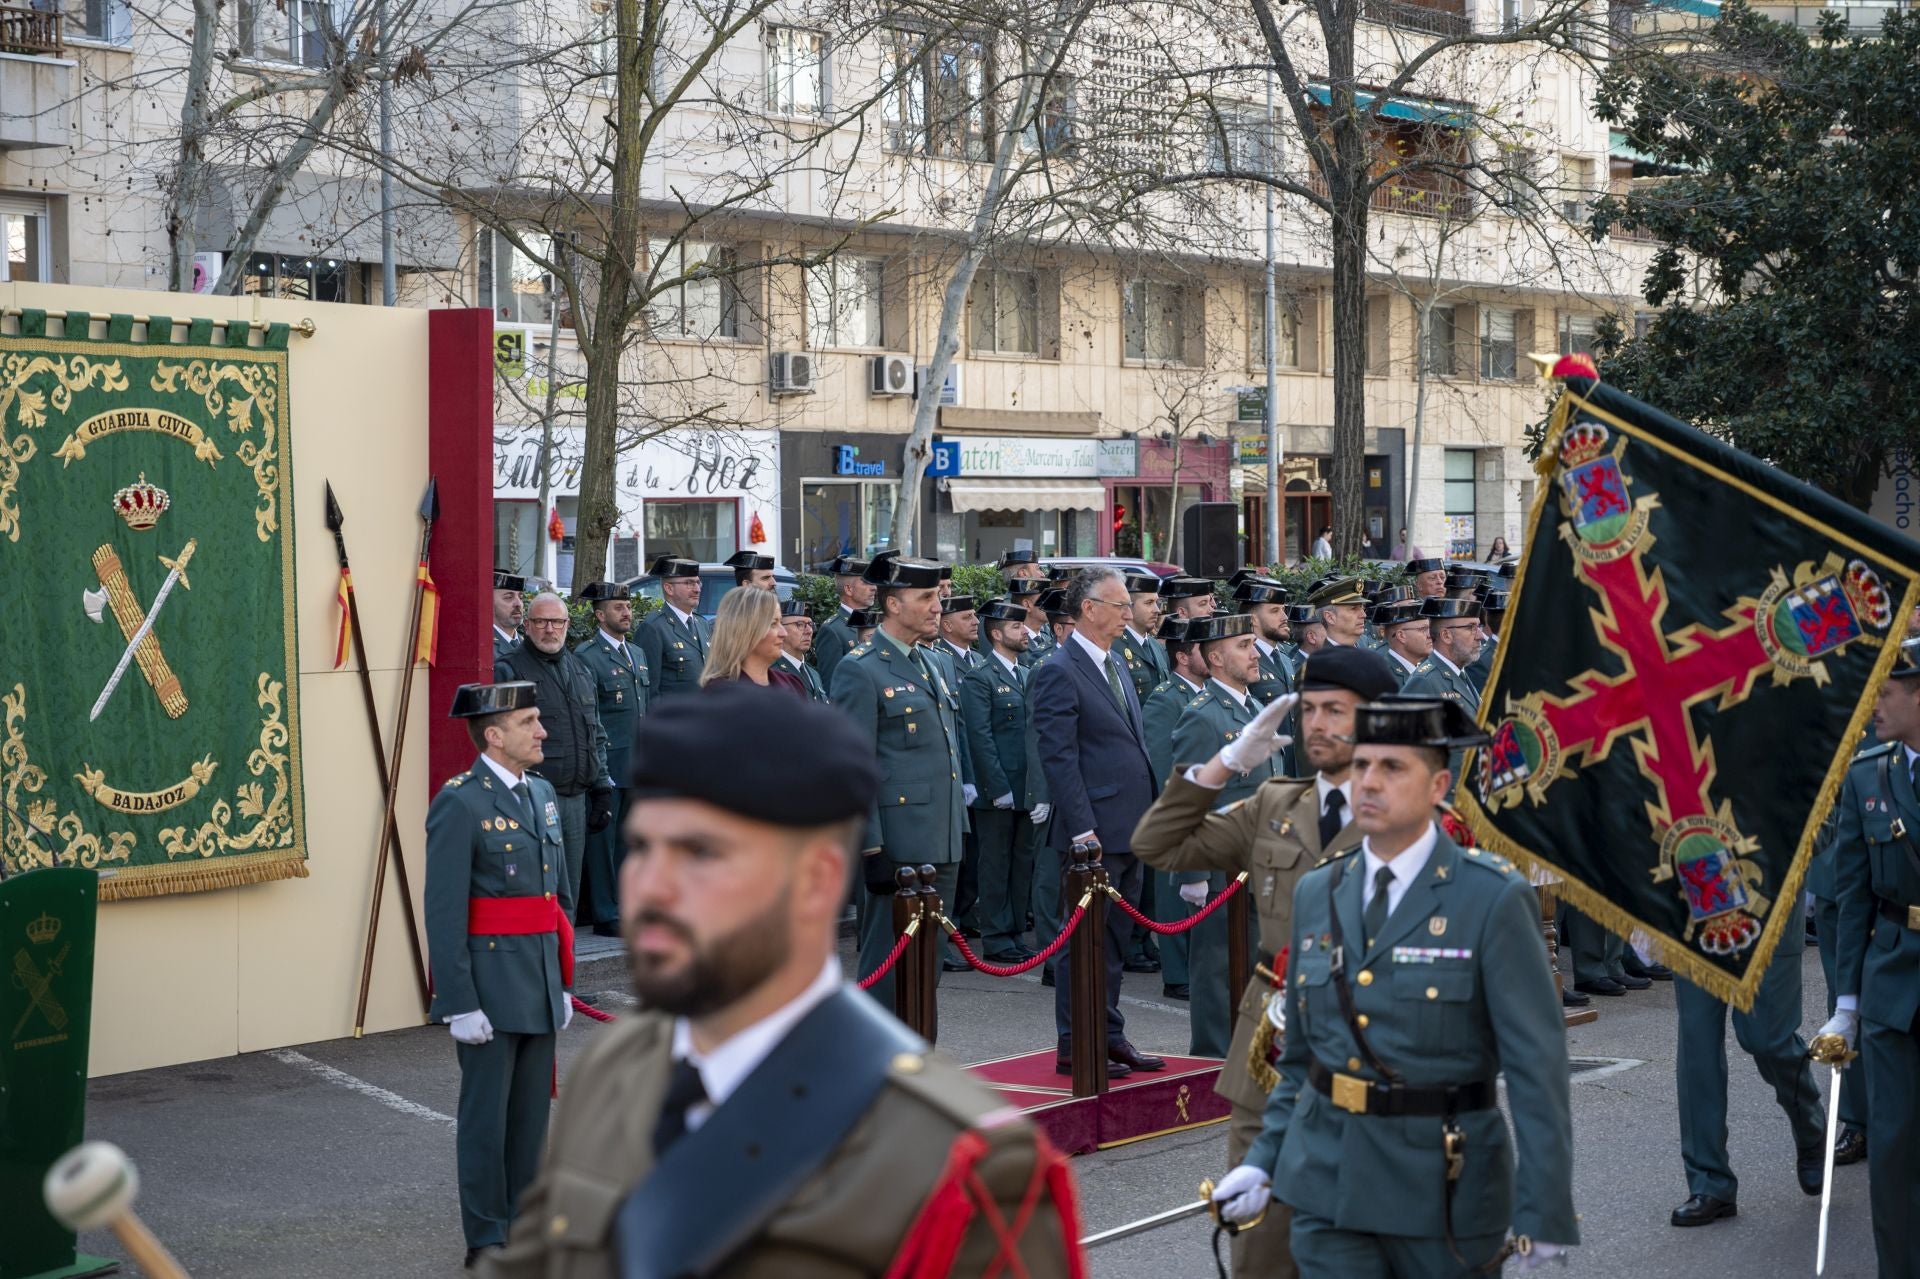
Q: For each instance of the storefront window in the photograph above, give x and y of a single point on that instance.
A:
(705, 531)
(1460, 503)
(844, 517)
(516, 537)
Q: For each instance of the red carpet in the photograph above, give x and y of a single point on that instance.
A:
(1145, 1104)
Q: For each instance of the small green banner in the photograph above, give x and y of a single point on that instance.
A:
(149, 718)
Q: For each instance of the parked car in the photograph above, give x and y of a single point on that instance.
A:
(1160, 568)
(715, 581)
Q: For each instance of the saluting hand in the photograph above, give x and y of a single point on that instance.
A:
(1259, 740)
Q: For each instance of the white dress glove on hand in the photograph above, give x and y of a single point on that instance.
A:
(471, 1028)
(1542, 1255)
(1194, 894)
(566, 1010)
(1259, 740)
(1005, 801)
(1243, 1194)
(1844, 1023)
(1041, 812)
(971, 791)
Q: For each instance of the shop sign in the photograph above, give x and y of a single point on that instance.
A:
(1251, 405)
(846, 461)
(944, 460)
(1119, 459)
(1250, 448)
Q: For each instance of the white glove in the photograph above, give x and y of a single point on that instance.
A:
(1041, 812)
(971, 791)
(1542, 1255)
(566, 1010)
(1194, 894)
(1005, 801)
(1844, 1023)
(1243, 1193)
(1259, 740)
(471, 1028)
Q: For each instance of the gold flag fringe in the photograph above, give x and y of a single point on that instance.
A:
(159, 881)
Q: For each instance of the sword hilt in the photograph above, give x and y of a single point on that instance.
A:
(1831, 1050)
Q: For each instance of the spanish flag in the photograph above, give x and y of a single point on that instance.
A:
(343, 642)
(427, 647)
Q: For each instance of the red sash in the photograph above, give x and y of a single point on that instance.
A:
(521, 917)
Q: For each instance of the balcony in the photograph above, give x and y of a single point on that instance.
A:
(36, 79)
(1438, 18)
(1408, 197)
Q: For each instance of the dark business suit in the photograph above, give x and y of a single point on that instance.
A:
(1093, 751)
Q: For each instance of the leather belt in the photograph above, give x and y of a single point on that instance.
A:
(1905, 916)
(1366, 1097)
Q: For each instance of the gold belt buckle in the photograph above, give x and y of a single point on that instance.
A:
(1350, 1094)
(1913, 918)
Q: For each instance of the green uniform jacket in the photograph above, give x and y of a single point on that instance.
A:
(1456, 988)
(503, 644)
(1209, 722)
(1159, 713)
(1879, 959)
(993, 708)
(1036, 793)
(1039, 648)
(846, 1220)
(1401, 671)
(917, 815)
(1146, 660)
(1276, 678)
(624, 684)
(950, 670)
(479, 845)
(1274, 836)
(831, 642)
(675, 652)
(1435, 678)
(804, 672)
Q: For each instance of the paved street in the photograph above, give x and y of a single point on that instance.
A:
(336, 1159)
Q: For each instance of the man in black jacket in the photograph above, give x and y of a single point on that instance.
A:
(576, 745)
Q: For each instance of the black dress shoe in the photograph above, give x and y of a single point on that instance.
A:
(1574, 999)
(607, 930)
(1140, 966)
(1810, 1167)
(1600, 986)
(1702, 1209)
(1631, 982)
(1018, 955)
(1850, 1149)
(473, 1254)
(1063, 1065)
(954, 966)
(1176, 992)
(1046, 976)
(1126, 1054)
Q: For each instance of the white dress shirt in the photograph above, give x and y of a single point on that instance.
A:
(1406, 868)
(1012, 670)
(500, 770)
(508, 636)
(1441, 658)
(686, 619)
(727, 1066)
(1099, 655)
(1239, 697)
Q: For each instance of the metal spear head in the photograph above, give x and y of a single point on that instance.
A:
(335, 519)
(430, 504)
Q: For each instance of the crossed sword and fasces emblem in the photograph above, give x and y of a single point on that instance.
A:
(142, 645)
(39, 987)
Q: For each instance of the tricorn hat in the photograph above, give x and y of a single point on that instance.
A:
(675, 566)
(748, 560)
(1026, 588)
(1417, 567)
(473, 700)
(957, 604)
(1013, 559)
(505, 581)
(1260, 590)
(999, 610)
(1183, 587)
(1053, 603)
(1141, 581)
(1302, 614)
(601, 592)
(847, 566)
(1441, 607)
(1204, 630)
(1173, 628)
(1397, 612)
(863, 619)
(891, 568)
(794, 606)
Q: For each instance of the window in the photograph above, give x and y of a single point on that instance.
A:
(1286, 352)
(1441, 336)
(519, 289)
(843, 303)
(1053, 120)
(286, 275)
(1155, 321)
(938, 101)
(1379, 335)
(844, 517)
(1576, 334)
(1459, 502)
(1242, 140)
(518, 529)
(1643, 323)
(1576, 187)
(697, 296)
(1513, 14)
(1499, 351)
(296, 31)
(796, 71)
(1515, 178)
(1006, 312)
(109, 21)
(705, 531)
(23, 219)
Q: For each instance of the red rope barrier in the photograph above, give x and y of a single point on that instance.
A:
(1025, 965)
(590, 1011)
(886, 965)
(1168, 930)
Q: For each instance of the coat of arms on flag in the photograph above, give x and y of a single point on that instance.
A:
(1688, 662)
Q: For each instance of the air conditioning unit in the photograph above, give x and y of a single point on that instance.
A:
(892, 375)
(949, 389)
(790, 373)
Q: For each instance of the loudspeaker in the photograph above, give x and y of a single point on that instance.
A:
(1210, 539)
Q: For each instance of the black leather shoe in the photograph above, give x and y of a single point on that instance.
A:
(1140, 966)
(1703, 1209)
(954, 966)
(1176, 992)
(1046, 976)
(1810, 1166)
(1119, 1050)
(1600, 986)
(1063, 1065)
(473, 1254)
(1631, 982)
(1018, 955)
(1574, 999)
(1850, 1149)
(607, 930)
(1652, 972)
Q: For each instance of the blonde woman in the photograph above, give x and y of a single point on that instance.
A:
(746, 642)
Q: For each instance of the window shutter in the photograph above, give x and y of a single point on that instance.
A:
(1193, 326)
(826, 75)
(1466, 351)
(1307, 301)
(1379, 348)
(1049, 285)
(1523, 345)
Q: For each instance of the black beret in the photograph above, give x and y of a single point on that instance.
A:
(1358, 670)
(471, 700)
(732, 747)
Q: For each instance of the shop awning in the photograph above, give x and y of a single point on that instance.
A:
(1448, 115)
(1026, 495)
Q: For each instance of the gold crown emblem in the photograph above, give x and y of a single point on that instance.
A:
(1582, 443)
(141, 504)
(1868, 595)
(43, 930)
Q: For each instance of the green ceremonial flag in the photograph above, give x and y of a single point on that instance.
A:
(149, 717)
(1689, 660)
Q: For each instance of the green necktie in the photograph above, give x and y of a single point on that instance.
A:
(524, 794)
(1113, 683)
(1375, 918)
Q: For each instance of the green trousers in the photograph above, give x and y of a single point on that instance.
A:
(1324, 1251)
(506, 1085)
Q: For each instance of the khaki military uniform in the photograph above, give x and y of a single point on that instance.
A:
(845, 1221)
(1274, 834)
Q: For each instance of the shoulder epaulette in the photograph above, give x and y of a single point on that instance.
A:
(1201, 699)
(1874, 752)
(859, 650)
(1334, 857)
(457, 780)
(1489, 861)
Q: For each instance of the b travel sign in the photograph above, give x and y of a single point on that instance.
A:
(846, 461)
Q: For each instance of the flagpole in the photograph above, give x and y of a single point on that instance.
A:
(429, 512)
(336, 521)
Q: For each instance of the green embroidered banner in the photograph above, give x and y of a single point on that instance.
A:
(149, 718)
(1691, 655)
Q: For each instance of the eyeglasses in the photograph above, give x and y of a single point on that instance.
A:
(546, 621)
(1095, 599)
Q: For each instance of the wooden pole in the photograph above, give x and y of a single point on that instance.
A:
(429, 511)
(906, 907)
(1087, 960)
(928, 967)
(336, 521)
(1239, 970)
